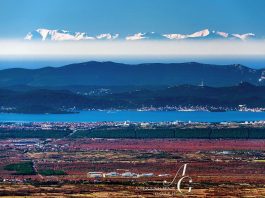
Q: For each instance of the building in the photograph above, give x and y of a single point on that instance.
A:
(95, 174)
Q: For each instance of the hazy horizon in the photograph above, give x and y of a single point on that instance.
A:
(256, 62)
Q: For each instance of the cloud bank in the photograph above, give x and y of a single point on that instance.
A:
(139, 48)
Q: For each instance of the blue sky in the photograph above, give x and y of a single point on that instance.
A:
(17, 17)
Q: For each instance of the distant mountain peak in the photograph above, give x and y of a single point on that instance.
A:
(64, 35)
(201, 33)
(107, 36)
(244, 36)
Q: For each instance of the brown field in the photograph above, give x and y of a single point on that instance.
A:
(218, 168)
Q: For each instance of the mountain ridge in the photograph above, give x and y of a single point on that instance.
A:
(118, 74)
(64, 35)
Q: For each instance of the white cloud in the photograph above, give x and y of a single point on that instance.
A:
(141, 48)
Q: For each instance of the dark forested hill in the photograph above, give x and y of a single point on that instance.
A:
(60, 101)
(116, 74)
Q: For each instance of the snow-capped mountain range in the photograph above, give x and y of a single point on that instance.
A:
(63, 35)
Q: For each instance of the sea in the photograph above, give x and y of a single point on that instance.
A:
(137, 116)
